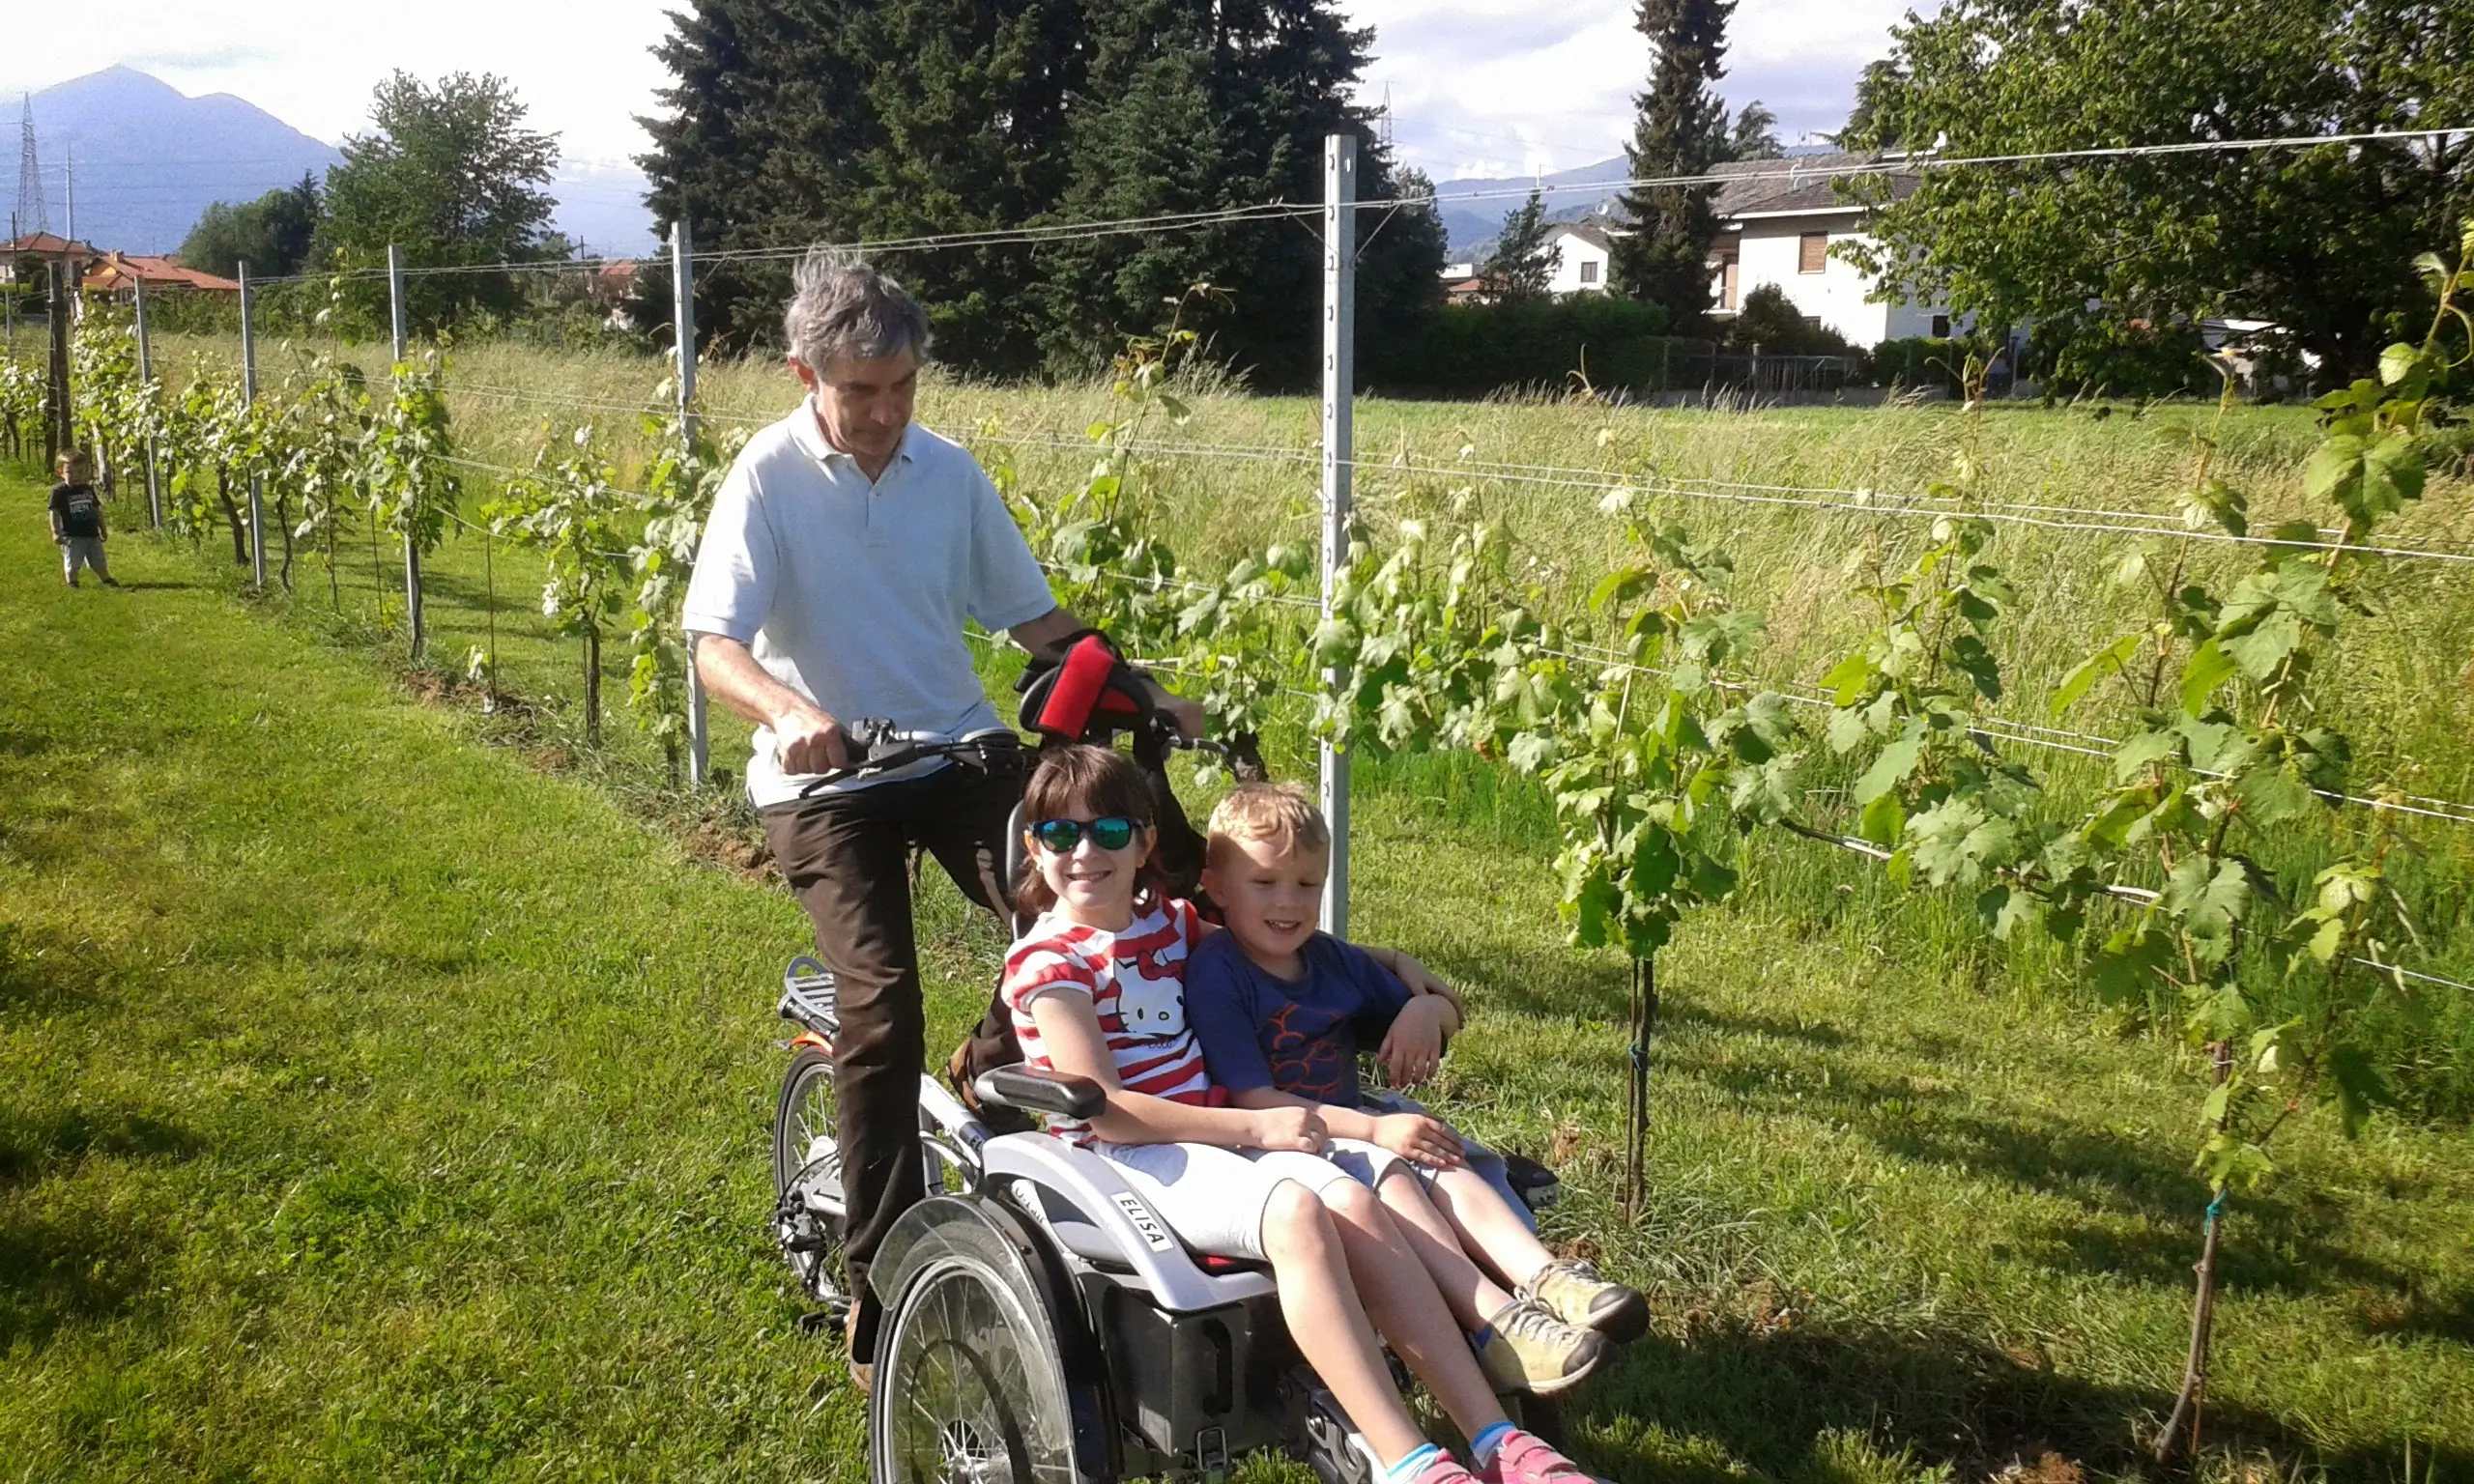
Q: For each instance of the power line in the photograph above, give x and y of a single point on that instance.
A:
(1903, 164)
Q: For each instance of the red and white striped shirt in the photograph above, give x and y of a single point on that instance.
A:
(1135, 981)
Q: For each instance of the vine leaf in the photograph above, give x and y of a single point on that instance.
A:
(1883, 820)
(2208, 667)
(2359, 1086)
(2107, 661)
(1892, 768)
(2130, 963)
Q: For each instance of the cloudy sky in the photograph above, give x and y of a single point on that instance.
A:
(1477, 87)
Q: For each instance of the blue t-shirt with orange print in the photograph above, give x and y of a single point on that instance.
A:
(1297, 1036)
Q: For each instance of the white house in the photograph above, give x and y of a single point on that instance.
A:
(1778, 223)
(1580, 252)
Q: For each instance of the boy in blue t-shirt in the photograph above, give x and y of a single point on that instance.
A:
(1282, 1011)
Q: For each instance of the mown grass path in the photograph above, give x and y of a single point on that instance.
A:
(375, 1106)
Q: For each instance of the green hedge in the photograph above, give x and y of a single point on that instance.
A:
(1470, 350)
(1924, 361)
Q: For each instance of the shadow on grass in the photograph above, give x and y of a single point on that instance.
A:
(62, 1267)
(43, 973)
(19, 742)
(1771, 1397)
(34, 1146)
(2268, 1245)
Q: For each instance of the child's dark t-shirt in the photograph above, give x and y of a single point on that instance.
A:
(1300, 1036)
(80, 512)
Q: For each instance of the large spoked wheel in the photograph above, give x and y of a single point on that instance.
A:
(807, 1176)
(969, 1385)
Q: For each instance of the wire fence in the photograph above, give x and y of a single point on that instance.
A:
(1768, 373)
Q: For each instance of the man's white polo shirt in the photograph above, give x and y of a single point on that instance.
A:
(855, 593)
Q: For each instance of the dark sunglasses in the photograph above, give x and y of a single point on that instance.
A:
(1114, 831)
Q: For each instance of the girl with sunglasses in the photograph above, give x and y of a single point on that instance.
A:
(1096, 989)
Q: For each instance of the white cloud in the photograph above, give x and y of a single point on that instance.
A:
(584, 72)
(1478, 87)
(1499, 87)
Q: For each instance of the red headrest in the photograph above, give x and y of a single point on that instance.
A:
(1092, 681)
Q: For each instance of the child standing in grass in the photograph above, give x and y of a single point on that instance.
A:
(1281, 1011)
(78, 518)
(1096, 990)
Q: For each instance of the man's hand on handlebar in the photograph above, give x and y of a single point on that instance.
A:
(806, 740)
(1184, 715)
(1187, 714)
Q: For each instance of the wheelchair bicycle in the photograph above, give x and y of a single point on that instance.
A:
(1041, 1325)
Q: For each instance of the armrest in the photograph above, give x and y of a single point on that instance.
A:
(1037, 1090)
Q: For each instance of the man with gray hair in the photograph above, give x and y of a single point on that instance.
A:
(845, 551)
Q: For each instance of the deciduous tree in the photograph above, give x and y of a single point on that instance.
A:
(272, 234)
(2314, 240)
(449, 173)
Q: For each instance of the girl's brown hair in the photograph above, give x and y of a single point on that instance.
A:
(1085, 783)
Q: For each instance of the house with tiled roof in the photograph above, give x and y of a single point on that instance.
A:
(121, 273)
(35, 250)
(1778, 220)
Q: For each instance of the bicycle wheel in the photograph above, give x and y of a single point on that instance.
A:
(969, 1385)
(807, 1176)
(803, 1129)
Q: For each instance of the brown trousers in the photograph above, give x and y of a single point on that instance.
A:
(847, 857)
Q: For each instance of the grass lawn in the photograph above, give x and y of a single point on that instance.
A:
(378, 1106)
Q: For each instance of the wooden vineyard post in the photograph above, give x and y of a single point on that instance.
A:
(412, 554)
(249, 398)
(1339, 314)
(59, 431)
(682, 298)
(146, 379)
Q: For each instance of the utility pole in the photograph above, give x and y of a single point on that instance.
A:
(1339, 445)
(30, 176)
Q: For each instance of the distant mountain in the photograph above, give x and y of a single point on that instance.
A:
(1569, 194)
(601, 206)
(1472, 225)
(144, 159)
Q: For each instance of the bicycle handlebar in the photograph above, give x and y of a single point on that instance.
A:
(885, 748)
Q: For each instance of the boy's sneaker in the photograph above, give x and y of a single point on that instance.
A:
(1528, 1350)
(1572, 1292)
(1525, 1459)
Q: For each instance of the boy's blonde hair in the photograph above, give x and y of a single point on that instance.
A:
(1275, 812)
(72, 458)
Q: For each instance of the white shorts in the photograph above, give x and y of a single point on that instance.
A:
(1214, 1198)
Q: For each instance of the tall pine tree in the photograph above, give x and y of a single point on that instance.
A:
(797, 119)
(1521, 265)
(1683, 130)
(1194, 105)
(972, 137)
(760, 146)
